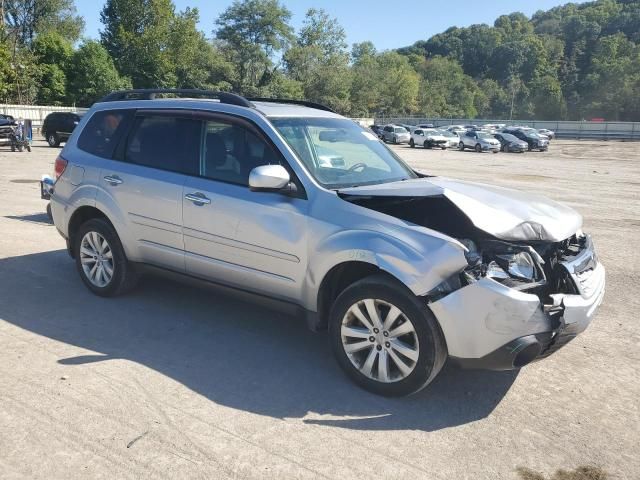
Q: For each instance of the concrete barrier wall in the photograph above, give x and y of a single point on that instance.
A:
(563, 129)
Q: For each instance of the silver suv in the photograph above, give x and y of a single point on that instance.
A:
(404, 269)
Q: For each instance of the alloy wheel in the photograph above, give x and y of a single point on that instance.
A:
(380, 340)
(96, 258)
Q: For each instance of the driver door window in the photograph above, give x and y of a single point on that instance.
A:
(231, 151)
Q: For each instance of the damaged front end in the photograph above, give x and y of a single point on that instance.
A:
(516, 303)
(532, 283)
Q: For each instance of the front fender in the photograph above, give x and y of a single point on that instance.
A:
(420, 261)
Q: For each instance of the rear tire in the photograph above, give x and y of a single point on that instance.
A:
(461, 147)
(123, 276)
(412, 144)
(53, 140)
(418, 342)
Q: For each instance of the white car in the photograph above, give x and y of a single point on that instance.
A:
(550, 134)
(457, 129)
(428, 138)
(452, 138)
(479, 141)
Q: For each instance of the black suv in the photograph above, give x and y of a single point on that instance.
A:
(58, 126)
(6, 129)
(534, 141)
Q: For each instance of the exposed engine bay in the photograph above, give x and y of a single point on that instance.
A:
(530, 266)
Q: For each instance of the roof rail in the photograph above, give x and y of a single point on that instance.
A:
(304, 103)
(150, 94)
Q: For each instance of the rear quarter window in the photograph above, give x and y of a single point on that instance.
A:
(100, 134)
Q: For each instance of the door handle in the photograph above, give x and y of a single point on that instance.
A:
(198, 198)
(113, 180)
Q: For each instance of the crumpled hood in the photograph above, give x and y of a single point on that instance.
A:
(504, 213)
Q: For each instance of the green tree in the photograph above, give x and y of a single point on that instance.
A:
(25, 19)
(445, 90)
(365, 88)
(319, 61)
(53, 54)
(136, 34)
(197, 62)
(399, 84)
(92, 74)
(253, 32)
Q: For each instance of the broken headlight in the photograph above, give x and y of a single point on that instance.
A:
(515, 266)
(514, 269)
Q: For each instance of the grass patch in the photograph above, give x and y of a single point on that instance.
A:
(580, 473)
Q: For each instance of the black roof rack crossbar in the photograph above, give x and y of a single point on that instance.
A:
(317, 106)
(150, 94)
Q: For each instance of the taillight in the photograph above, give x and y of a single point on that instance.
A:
(59, 167)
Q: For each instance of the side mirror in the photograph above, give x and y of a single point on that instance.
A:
(269, 178)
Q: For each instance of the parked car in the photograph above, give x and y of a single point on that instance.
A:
(58, 126)
(404, 270)
(408, 128)
(550, 134)
(428, 138)
(6, 131)
(452, 138)
(533, 139)
(377, 129)
(395, 134)
(4, 116)
(425, 125)
(479, 141)
(511, 143)
(457, 129)
(493, 127)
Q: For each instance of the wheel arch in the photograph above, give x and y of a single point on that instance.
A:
(80, 216)
(419, 264)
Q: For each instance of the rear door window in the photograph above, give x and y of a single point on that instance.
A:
(101, 133)
(165, 142)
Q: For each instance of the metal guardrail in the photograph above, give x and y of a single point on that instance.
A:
(563, 129)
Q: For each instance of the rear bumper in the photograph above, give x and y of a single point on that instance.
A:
(489, 326)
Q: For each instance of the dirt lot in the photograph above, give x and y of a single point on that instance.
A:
(176, 382)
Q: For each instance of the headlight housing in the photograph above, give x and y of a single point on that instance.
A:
(515, 266)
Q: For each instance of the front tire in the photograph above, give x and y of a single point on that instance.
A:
(412, 144)
(478, 148)
(461, 146)
(384, 338)
(101, 261)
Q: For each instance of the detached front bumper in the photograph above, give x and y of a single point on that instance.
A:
(490, 326)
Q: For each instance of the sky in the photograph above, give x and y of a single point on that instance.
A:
(388, 24)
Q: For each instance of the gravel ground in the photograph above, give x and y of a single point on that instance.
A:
(177, 382)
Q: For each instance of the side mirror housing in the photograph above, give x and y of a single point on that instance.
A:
(269, 178)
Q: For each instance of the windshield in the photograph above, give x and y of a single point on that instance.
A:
(339, 153)
(530, 132)
(510, 138)
(447, 133)
(400, 130)
(485, 135)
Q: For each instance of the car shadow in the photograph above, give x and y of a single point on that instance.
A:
(232, 352)
(39, 218)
